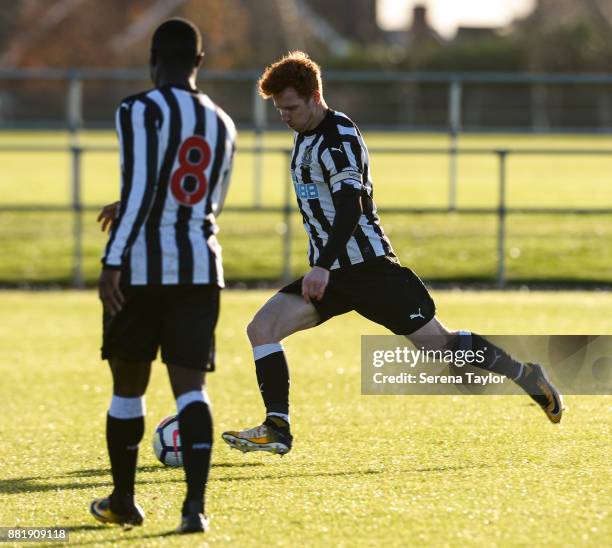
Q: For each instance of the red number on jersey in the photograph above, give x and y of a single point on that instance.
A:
(186, 168)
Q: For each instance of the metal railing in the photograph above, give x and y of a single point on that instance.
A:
(456, 88)
(288, 208)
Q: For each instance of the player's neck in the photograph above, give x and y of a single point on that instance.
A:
(176, 79)
(318, 116)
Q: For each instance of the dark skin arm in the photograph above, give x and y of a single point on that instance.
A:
(109, 291)
(108, 282)
(108, 215)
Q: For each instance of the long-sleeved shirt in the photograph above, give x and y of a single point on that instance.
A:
(177, 149)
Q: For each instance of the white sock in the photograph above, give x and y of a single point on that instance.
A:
(264, 350)
(189, 397)
(127, 408)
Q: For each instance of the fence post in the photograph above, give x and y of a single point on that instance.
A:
(74, 103)
(501, 226)
(77, 222)
(259, 123)
(454, 124)
(287, 210)
(539, 109)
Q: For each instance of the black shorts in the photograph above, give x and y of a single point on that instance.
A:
(180, 319)
(381, 290)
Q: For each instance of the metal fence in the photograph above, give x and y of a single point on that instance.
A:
(414, 101)
(446, 102)
(76, 207)
(426, 101)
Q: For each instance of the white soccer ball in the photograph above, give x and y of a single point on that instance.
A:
(167, 442)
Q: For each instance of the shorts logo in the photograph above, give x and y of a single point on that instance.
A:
(417, 315)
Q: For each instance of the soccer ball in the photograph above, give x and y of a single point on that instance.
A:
(167, 442)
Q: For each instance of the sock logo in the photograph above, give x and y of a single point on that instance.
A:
(197, 446)
(261, 387)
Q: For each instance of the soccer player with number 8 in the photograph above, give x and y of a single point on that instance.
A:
(162, 268)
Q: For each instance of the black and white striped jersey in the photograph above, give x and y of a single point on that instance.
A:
(177, 148)
(324, 160)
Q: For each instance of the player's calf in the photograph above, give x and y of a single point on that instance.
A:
(195, 423)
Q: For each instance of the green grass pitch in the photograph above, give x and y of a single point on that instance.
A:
(364, 471)
(38, 246)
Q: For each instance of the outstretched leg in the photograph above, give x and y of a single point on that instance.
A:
(530, 377)
(281, 316)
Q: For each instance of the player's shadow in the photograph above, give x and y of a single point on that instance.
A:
(95, 472)
(451, 468)
(34, 484)
(237, 464)
(279, 474)
(116, 538)
(37, 484)
(85, 527)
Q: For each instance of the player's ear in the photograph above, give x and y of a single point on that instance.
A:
(198, 60)
(316, 97)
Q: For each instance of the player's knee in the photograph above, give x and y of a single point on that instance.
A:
(259, 332)
(129, 388)
(130, 379)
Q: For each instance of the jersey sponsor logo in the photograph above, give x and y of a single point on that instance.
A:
(306, 191)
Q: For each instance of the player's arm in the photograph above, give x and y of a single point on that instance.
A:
(219, 193)
(342, 172)
(137, 130)
(224, 182)
(347, 202)
(108, 215)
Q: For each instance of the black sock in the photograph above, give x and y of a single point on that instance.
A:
(195, 425)
(496, 360)
(278, 423)
(122, 439)
(273, 379)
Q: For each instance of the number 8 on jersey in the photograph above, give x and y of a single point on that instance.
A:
(189, 169)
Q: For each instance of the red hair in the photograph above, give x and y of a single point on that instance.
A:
(295, 70)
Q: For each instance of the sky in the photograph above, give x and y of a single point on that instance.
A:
(446, 15)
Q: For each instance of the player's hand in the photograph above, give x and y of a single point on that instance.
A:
(108, 215)
(314, 284)
(109, 292)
